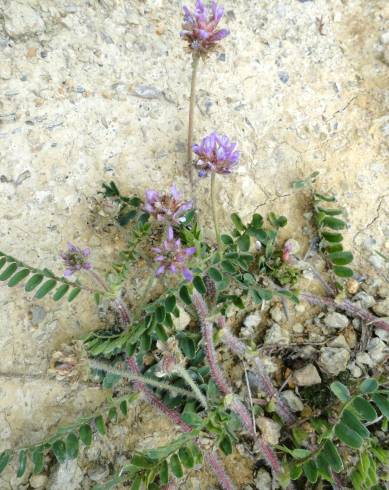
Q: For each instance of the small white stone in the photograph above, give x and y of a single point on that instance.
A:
(355, 370)
(292, 400)
(365, 300)
(307, 376)
(253, 320)
(334, 360)
(263, 481)
(298, 328)
(300, 308)
(270, 430)
(384, 38)
(382, 308)
(182, 321)
(38, 481)
(363, 358)
(377, 350)
(277, 314)
(277, 335)
(383, 334)
(336, 320)
(339, 341)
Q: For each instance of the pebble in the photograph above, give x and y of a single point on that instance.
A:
(338, 341)
(263, 481)
(253, 320)
(363, 358)
(377, 261)
(182, 321)
(298, 328)
(307, 376)
(67, 475)
(336, 320)
(38, 481)
(384, 38)
(355, 370)
(277, 314)
(383, 334)
(277, 335)
(271, 431)
(292, 400)
(352, 286)
(283, 76)
(300, 308)
(382, 308)
(377, 350)
(364, 300)
(98, 473)
(38, 314)
(334, 360)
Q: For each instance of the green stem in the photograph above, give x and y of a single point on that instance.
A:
(142, 379)
(214, 212)
(183, 373)
(192, 100)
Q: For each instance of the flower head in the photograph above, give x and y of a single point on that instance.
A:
(200, 27)
(75, 259)
(168, 207)
(172, 257)
(216, 154)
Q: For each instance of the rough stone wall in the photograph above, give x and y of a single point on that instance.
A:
(98, 90)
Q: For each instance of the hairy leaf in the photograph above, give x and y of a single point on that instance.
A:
(198, 283)
(382, 403)
(60, 292)
(354, 423)
(86, 434)
(72, 446)
(176, 467)
(334, 223)
(59, 450)
(310, 471)
(73, 294)
(348, 435)
(332, 237)
(343, 271)
(22, 463)
(369, 385)
(364, 408)
(8, 272)
(341, 258)
(331, 454)
(5, 458)
(340, 391)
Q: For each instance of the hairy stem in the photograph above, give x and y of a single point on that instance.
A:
(235, 404)
(213, 461)
(192, 100)
(183, 373)
(214, 210)
(175, 417)
(263, 379)
(138, 377)
(346, 306)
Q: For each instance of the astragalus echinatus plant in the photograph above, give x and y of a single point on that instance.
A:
(183, 378)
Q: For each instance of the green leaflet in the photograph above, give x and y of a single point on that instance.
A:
(176, 467)
(364, 408)
(340, 391)
(18, 277)
(382, 403)
(348, 435)
(331, 455)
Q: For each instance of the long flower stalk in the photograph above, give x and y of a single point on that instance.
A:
(214, 211)
(192, 101)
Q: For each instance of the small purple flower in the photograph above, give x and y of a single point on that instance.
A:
(75, 259)
(200, 28)
(172, 257)
(169, 208)
(216, 154)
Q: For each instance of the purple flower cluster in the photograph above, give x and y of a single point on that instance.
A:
(168, 208)
(200, 27)
(216, 154)
(172, 257)
(75, 259)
